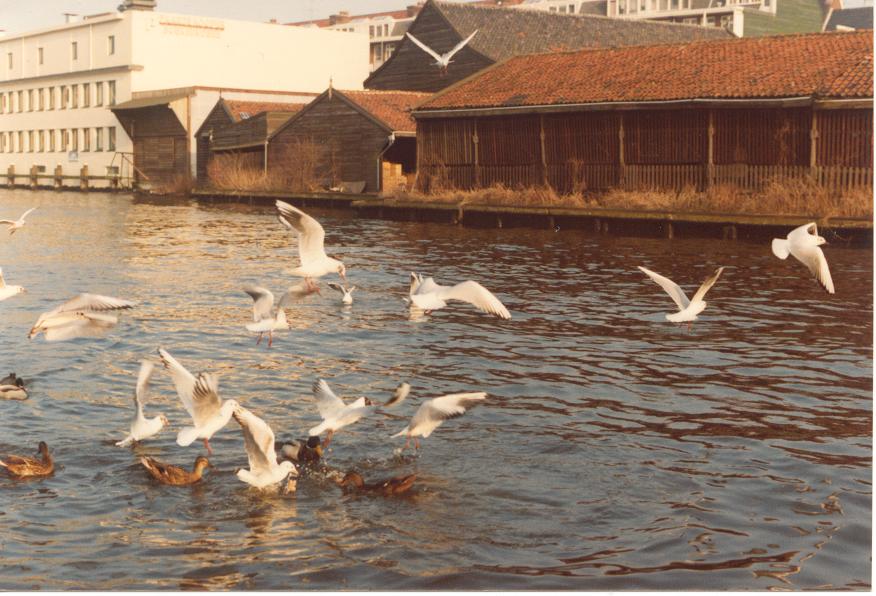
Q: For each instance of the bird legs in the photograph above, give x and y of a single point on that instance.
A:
(311, 285)
(328, 439)
(270, 338)
(207, 445)
(408, 443)
(259, 340)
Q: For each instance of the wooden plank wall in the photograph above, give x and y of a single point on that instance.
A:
(661, 149)
(217, 119)
(160, 149)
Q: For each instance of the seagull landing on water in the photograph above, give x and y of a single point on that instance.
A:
(804, 243)
(200, 397)
(687, 309)
(442, 61)
(265, 319)
(258, 439)
(314, 262)
(142, 427)
(82, 316)
(432, 413)
(426, 295)
(8, 291)
(18, 223)
(347, 295)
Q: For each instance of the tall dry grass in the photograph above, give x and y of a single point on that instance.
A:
(294, 169)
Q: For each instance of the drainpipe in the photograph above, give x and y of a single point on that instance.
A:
(389, 142)
(266, 158)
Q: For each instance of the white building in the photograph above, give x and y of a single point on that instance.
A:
(57, 85)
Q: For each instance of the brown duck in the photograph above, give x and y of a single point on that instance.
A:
(169, 474)
(353, 482)
(24, 467)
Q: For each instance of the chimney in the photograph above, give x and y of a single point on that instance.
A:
(137, 5)
(71, 17)
(340, 18)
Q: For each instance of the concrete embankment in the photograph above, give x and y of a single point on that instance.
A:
(729, 226)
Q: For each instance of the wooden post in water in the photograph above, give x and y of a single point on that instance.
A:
(59, 181)
(670, 231)
(10, 176)
(83, 178)
(33, 176)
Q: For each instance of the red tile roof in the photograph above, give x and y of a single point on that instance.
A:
(820, 64)
(393, 108)
(256, 107)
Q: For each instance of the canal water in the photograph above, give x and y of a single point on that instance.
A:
(616, 451)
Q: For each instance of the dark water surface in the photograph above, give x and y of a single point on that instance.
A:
(616, 450)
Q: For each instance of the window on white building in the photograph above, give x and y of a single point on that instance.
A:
(20, 101)
(9, 59)
(111, 45)
(41, 135)
(98, 139)
(30, 143)
(51, 139)
(4, 103)
(42, 99)
(20, 141)
(65, 140)
(98, 93)
(74, 95)
(86, 139)
(111, 138)
(65, 97)
(371, 31)
(74, 50)
(40, 55)
(51, 95)
(74, 139)
(111, 93)
(86, 95)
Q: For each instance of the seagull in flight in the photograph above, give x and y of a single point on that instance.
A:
(265, 319)
(18, 223)
(433, 412)
(804, 243)
(258, 439)
(335, 413)
(142, 427)
(426, 295)
(82, 316)
(347, 294)
(311, 248)
(442, 61)
(687, 309)
(8, 291)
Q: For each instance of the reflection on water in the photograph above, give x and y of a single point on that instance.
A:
(616, 450)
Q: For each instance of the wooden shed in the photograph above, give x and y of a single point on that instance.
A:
(741, 111)
(361, 140)
(506, 32)
(240, 127)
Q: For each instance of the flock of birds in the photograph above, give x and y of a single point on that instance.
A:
(90, 315)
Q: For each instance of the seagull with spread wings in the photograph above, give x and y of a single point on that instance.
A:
(18, 223)
(433, 412)
(335, 413)
(804, 243)
(314, 263)
(258, 439)
(426, 295)
(442, 61)
(265, 318)
(142, 427)
(8, 291)
(200, 397)
(346, 294)
(687, 309)
(83, 316)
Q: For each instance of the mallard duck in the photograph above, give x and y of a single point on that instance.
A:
(353, 482)
(304, 452)
(21, 466)
(12, 387)
(174, 475)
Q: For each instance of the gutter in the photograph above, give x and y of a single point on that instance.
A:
(615, 105)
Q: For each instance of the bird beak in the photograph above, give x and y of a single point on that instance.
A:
(318, 450)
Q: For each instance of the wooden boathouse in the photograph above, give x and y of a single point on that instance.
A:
(505, 32)
(739, 111)
(364, 141)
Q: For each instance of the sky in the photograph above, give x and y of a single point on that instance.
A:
(17, 16)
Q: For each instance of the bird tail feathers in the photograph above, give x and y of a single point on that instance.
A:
(781, 248)
(186, 436)
(125, 442)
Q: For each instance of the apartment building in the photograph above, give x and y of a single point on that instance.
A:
(59, 85)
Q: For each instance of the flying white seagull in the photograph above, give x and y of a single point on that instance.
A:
(18, 223)
(265, 318)
(347, 295)
(258, 439)
(426, 295)
(200, 397)
(142, 427)
(311, 248)
(442, 61)
(335, 413)
(82, 316)
(803, 243)
(687, 309)
(8, 291)
(432, 413)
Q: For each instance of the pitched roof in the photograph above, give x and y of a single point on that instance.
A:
(820, 64)
(853, 18)
(393, 108)
(238, 108)
(507, 32)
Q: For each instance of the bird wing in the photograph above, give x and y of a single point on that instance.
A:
(676, 293)
(813, 257)
(263, 302)
(311, 235)
(337, 286)
(799, 234)
(424, 47)
(26, 213)
(258, 439)
(297, 292)
(328, 404)
(183, 380)
(459, 46)
(146, 369)
(707, 285)
(8, 222)
(477, 295)
(415, 284)
(205, 398)
(94, 302)
(80, 324)
(401, 393)
(428, 285)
